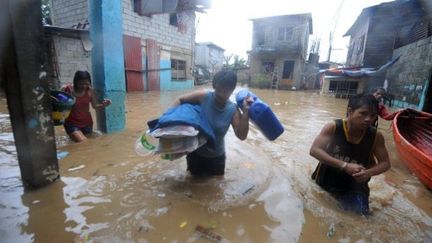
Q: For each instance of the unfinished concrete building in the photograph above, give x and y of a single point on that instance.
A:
(279, 46)
(158, 41)
(210, 56)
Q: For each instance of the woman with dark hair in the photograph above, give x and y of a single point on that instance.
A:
(79, 123)
(220, 113)
(346, 150)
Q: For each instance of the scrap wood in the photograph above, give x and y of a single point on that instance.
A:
(207, 233)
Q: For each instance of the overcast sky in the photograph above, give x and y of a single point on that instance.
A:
(228, 25)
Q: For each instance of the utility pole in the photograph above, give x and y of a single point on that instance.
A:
(27, 92)
(332, 31)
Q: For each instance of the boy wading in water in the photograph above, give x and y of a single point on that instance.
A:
(220, 113)
(350, 151)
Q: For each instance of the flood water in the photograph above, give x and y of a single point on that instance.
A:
(107, 193)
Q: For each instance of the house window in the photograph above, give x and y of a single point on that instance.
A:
(260, 35)
(137, 4)
(178, 69)
(173, 19)
(268, 67)
(350, 51)
(285, 33)
(343, 88)
(360, 44)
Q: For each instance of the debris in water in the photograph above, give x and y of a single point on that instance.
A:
(183, 224)
(62, 154)
(211, 224)
(95, 173)
(331, 231)
(80, 239)
(240, 231)
(207, 233)
(245, 188)
(76, 168)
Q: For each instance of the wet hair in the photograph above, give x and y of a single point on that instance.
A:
(360, 100)
(380, 89)
(225, 78)
(80, 75)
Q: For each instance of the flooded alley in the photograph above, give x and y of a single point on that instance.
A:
(108, 193)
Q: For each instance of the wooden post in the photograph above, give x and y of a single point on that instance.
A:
(22, 53)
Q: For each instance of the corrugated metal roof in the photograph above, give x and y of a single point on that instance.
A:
(67, 32)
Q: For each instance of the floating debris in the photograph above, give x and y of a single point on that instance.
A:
(207, 233)
(76, 168)
(246, 187)
(331, 231)
(183, 224)
(62, 154)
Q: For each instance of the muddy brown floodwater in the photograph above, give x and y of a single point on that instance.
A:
(107, 193)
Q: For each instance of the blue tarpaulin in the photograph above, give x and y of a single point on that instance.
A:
(359, 72)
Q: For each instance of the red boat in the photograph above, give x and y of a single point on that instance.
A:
(412, 132)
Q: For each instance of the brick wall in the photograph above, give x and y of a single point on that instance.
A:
(157, 27)
(71, 57)
(67, 13)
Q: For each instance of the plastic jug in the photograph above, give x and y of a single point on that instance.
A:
(262, 115)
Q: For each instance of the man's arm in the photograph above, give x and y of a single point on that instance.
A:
(384, 113)
(383, 160)
(195, 97)
(317, 151)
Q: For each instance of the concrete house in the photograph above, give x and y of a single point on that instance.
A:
(278, 54)
(158, 48)
(386, 31)
(209, 56)
(373, 35)
(409, 80)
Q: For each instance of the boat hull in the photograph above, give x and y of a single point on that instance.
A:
(412, 133)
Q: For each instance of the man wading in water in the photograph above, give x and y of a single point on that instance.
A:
(346, 150)
(220, 113)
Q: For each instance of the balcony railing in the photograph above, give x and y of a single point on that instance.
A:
(280, 49)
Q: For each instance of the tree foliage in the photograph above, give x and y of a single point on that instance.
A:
(237, 62)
